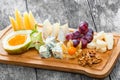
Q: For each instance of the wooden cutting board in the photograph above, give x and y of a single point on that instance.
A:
(31, 58)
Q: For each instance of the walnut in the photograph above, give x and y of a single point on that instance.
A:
(88, 58)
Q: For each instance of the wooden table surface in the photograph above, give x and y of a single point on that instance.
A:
(100, 14)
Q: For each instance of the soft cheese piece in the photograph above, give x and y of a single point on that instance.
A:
(50, 42)
(47, 28)
(101, 43)
(62, 32)
(44, 52)
(109, 41)
(91, 45)
(100, 35)
(57, 51)
(103, 49)
(55, 30)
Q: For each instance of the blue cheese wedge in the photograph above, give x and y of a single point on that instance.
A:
(50, 42)
(57, 51)
(44, 52)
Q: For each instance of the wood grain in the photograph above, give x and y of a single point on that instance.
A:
(31, 58)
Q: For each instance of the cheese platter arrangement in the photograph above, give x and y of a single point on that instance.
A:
(58, 47)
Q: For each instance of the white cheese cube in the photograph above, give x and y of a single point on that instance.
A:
(100, 35)
(103, 49)
(91, 45)
(109, 41)
(100, 43)
(44, 52)
(57, 51)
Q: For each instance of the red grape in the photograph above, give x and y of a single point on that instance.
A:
(76, 34)
(89, 34)
(69, 36)
(75, 42)
(90, 30)
(84, 43)
(88, 38)
(83, 27)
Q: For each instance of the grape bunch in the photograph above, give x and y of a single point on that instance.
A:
(83, 34)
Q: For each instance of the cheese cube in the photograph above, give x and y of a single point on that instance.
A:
(100, 35)
(103, 49)
(44, 52)
(91, 45)
(100, 43)
(109, 41)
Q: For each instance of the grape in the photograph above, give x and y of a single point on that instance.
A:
(84, 43)
(75, 42)
(69, 36)
(76, 34)
(83, 27)
(89, 34)
(88, 38)
(90, 30)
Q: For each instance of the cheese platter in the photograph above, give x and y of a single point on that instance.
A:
(58, 47)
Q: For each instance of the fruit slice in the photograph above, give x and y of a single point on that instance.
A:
(17, 42)
(19, 20)
(32, 20)
(13, 23)
(27, 21)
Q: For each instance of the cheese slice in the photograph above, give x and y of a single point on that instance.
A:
(47, 28)
(62, 32)
(109, 41)
(56, 28)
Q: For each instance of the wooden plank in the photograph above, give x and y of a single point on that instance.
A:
(10, 72)
(106, 15)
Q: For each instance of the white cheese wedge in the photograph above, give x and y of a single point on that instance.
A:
(62, 32)
(55, 30)
(109, 41)
(91, 45)
(100, 43)
(47, 28)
